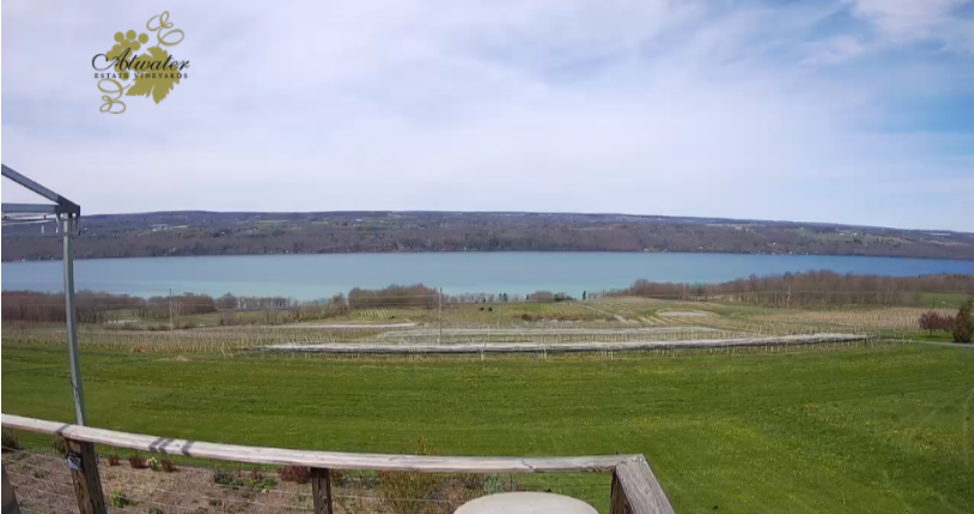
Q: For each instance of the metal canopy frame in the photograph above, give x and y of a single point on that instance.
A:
(68, 214)
(61, 204)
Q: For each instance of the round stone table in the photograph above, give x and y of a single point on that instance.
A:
(526, 503)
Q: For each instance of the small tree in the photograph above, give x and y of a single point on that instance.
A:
(929, 321)
(933, 321)
(963, 324)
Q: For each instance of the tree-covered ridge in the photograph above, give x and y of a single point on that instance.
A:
(208, 233)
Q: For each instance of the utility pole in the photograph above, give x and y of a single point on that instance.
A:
(440, 308)
(69, 227)
(170, 315)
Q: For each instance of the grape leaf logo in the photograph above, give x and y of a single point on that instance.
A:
(151, 74)
(157, 87)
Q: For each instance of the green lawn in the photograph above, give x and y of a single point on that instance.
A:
(881, 430)
(943, 300)
(939, 336)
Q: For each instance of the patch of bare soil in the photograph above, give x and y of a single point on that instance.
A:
(42, 483)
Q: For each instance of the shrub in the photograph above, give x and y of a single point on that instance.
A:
(296, 474)
(113, 460)
(933, 321)
(400, 491)
(119, 500)
(137, 461)
(493, 484)
(223, 477)
(471, 481)
(337, 477)
(167, 465)
(60, 446)
(929, 321)
(10, 441)
(404, 492)
(153, 463)
(964, 324)
(255, 480)
(259, 481)
(946, 323)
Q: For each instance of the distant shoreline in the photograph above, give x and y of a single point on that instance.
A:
(437, 252)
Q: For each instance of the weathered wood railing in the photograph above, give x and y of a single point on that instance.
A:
(635, 489)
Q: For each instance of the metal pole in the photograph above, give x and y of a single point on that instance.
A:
(69, 227)
(170, 315)
(440, 308)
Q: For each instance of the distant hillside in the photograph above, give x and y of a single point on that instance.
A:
(209, 233)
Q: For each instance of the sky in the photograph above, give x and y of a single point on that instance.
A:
(845, 111)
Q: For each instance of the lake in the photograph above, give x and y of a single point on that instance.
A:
(315, 276)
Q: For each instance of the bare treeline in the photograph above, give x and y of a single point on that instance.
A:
(157, 307)
(536, 297)
(419, 295)
(278, 310)
(416, 295)
(232, 302)
(90, 307)
(95, 307)
(813, 288)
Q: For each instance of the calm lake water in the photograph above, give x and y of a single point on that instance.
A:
(316, 276)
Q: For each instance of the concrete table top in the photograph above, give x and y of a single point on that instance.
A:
(526, 503)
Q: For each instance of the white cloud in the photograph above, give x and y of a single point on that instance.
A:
(834, 50)
(668, 107)
(911, 20)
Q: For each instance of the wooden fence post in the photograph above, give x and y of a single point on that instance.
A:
(84, 473)
(9, 498)
(618, 503)
(321, 490)
(638, 490)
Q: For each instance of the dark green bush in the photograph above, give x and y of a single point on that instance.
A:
(964, 324)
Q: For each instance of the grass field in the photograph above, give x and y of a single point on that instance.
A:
(876, 430)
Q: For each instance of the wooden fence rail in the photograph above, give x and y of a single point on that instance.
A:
(635, 489)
